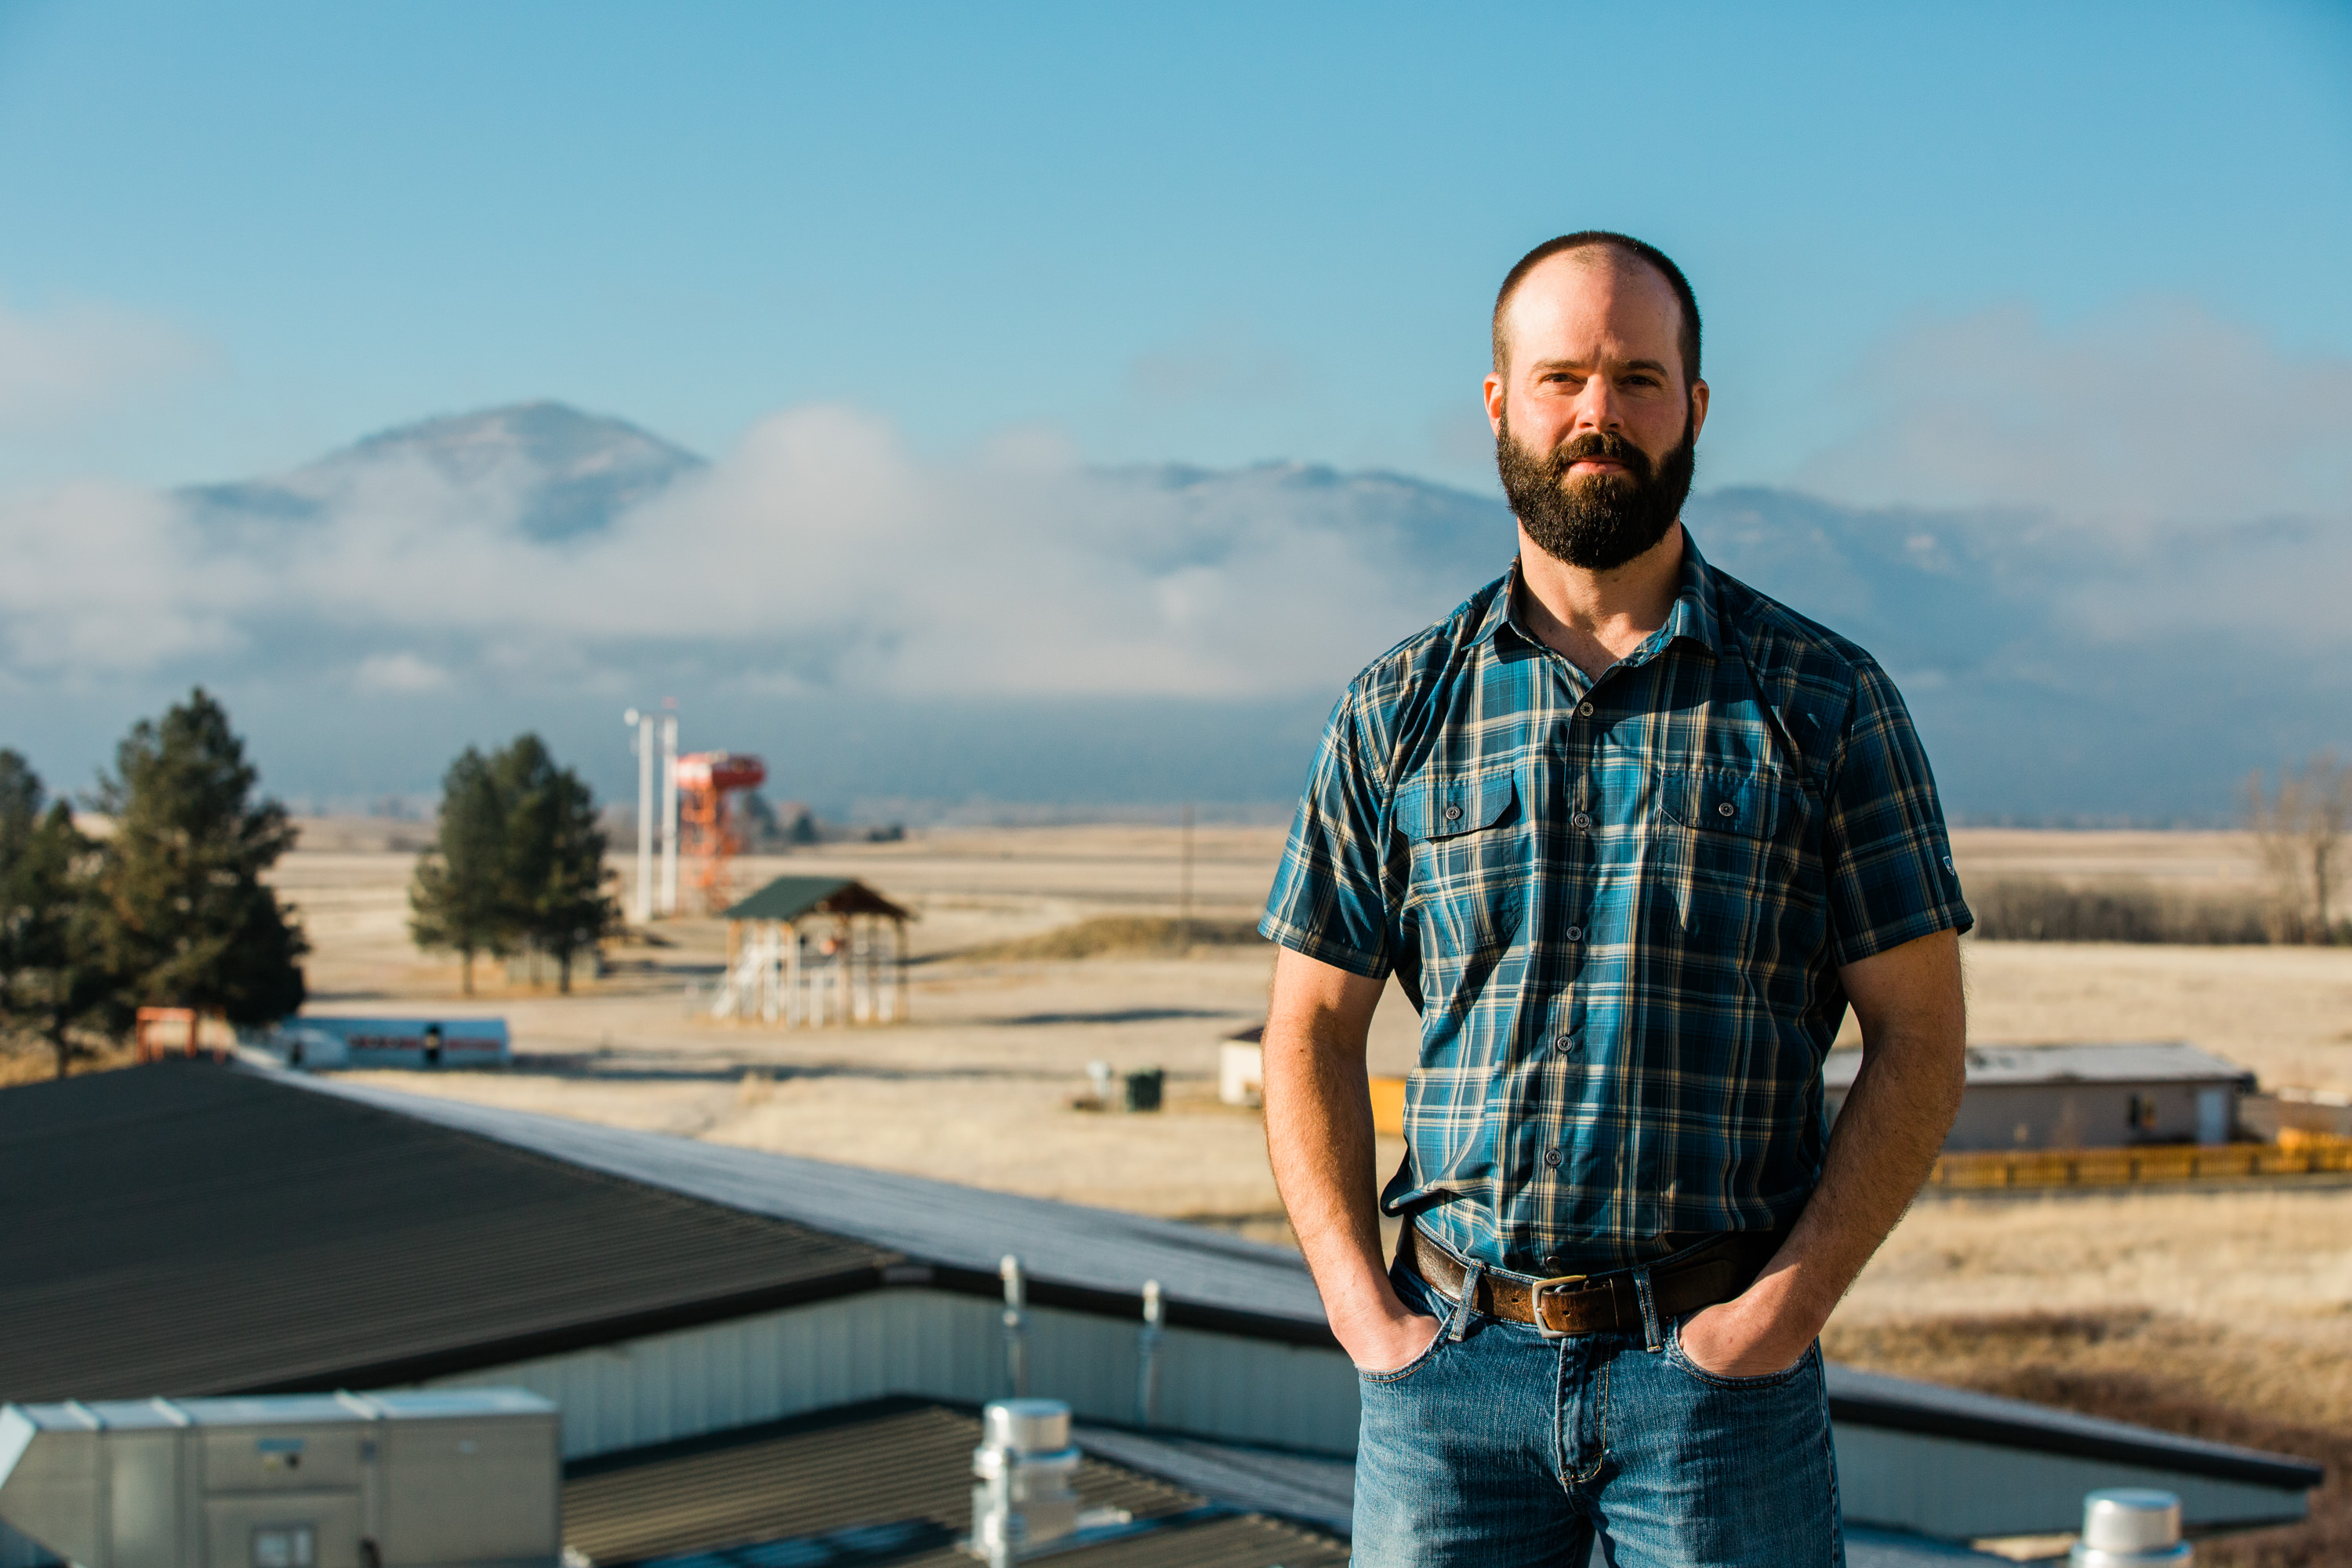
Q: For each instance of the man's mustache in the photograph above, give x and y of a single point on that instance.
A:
(1604, 445)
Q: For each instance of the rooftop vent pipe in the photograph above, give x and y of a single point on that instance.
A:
(2130, 1527)
(1022, 1498)
(1016, 1324)
(1148, 1343)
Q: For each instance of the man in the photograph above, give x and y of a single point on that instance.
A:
(1632, 837)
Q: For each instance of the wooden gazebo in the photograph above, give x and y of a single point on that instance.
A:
(805, 951)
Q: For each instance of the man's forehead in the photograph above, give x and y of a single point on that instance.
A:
(1594, 289)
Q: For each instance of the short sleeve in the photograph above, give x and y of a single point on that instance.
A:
(1886, 851)
(1327, 901)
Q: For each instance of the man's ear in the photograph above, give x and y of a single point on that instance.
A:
(1697, 407)
(1494, 391)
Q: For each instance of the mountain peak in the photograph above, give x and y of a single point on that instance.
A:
(563, 440)
(574, 472)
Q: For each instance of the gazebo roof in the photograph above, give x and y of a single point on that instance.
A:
(790, 898)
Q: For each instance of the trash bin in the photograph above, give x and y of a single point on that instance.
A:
(1143, 1088)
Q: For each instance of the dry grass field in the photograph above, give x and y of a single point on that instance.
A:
(975, 1089)
(2224, 1312)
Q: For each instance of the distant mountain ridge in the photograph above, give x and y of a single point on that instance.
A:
(568, 473)
(2057, 674)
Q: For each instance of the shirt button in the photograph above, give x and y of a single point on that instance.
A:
(1453, 813)
(1584, 710)
(1576, 934)
(1726, 809)
(1581, 819)
(1565, 1044)
(1551, 1158)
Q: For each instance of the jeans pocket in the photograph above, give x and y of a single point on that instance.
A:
(1698, 1373)
(1398, 1374)
(1417, 1296)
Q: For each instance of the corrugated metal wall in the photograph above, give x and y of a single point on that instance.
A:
(950, 1346)
(1960, 1489)
(938, 1344)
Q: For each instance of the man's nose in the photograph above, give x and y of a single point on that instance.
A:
(1597, 407)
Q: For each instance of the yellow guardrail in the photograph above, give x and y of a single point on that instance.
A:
(2291, 1156)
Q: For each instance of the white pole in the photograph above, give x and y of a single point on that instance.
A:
(795, 998)
(642, 908)
(669, 815)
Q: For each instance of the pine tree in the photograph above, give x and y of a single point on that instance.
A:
(458, 902)
(184, 917)
(40, 909)
(20, 797)
(518, 865)
(555, 871)
(52, 983)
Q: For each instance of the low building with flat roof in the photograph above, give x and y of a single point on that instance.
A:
(2082, 1096)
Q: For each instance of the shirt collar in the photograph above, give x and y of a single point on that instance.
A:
(1693, 615)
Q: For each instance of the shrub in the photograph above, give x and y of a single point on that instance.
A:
(2044, 908)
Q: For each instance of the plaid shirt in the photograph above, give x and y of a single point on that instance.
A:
(1621, 905)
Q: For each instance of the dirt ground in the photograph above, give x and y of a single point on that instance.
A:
(976, 1088)
(2227, 1313)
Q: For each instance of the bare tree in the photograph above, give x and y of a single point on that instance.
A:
(2300, 827)
(2328, 815)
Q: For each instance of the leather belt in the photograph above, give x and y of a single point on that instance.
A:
(1598, 1304)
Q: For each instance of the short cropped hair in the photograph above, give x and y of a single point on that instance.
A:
(1585, 239)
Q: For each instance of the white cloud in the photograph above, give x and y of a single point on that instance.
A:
(402, 672)
(101, 578)
(822, 552)
(2155, 414)
(59, 364)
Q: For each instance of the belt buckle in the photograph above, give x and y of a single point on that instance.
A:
(1536, 1301)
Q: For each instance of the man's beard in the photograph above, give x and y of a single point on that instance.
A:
(1602, 520)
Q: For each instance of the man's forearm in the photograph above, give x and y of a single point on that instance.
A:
(1884, 1142)
(1318, 1135)
(1915, 1037)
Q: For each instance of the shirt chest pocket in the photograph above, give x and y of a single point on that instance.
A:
(1471, 859)
(1730, 845)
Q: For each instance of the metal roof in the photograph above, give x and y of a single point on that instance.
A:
(1080, 1257)
(1097, 1258)
(888, 1481)
(184, 1229)
(280, 1409)
(1317, 1490)
(2168, 1061)
(790, 898)
(1868, 1547)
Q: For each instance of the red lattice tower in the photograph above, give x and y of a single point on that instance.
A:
(708, 833)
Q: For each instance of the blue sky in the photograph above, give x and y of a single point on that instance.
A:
(235, 236)
(921, 278)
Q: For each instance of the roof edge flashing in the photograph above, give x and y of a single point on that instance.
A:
(2123, 1443)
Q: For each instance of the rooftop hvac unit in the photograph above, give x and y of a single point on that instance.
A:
(466, 1478)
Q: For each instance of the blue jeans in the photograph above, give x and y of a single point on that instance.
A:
(1505, 1449)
